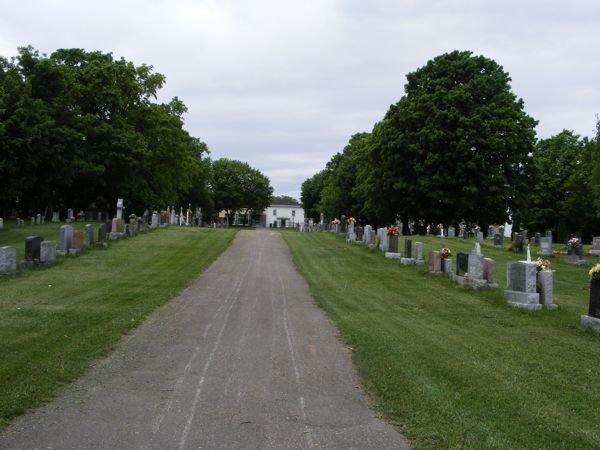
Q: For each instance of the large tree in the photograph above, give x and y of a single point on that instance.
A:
(310, 196)
(237, 187)
(455, 146)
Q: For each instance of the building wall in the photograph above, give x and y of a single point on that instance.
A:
(284, 216)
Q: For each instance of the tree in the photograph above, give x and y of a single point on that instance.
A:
(278, 199)
(310, 196)
(455, 146)
(237, 187)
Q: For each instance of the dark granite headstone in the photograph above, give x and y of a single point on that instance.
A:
(462, 264)
(594, 309)
(498, 240)
(32, 247)
(465, 235)
(108, 225)
(102, 233)
(537, 238)
(407, 248)
(393, 244)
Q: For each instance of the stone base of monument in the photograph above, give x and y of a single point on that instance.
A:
(420, 262)
(392, 255)
(595, 252)
(525, 300)
(116, 235)
(543, 253)
(74, 251)
(473, 283)
(372, 246)
(61, 253)
(409, 261)
(593, 323)
(26, 264)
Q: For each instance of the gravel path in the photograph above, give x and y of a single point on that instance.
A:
(242, 359)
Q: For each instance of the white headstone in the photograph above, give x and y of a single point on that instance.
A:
(119, 208)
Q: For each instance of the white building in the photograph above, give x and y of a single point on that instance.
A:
(282, 214)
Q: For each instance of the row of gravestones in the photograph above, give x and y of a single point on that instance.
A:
(71, 242)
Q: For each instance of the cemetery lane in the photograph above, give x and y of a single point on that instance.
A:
(242, 359)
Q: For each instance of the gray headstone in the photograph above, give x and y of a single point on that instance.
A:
(546, 284)
(498, 240)
(32, 247)
(549, 233)
(119, 208)
(8, 260)
(536, 238)
(521, 285)
(475, 266)
(419, 252)
(102, 233)
(65, 239)
(393, 244)
(38, 219)
(1, 223)
(47, 252)
(545, 246)
(451, 232)
(55, 217)
(32, 219)
(89, 234)
(435, 262)
(154, 223)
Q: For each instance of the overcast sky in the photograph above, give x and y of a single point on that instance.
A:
(283, 84)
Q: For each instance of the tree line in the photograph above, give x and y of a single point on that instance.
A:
(82, 128)
(459, 146)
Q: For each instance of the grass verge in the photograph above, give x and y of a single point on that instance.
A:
(54, 321)
(456, 368)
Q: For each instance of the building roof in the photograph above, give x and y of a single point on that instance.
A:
(286, 203)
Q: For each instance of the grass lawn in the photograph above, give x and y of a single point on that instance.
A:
(456, 368)
(55, 321)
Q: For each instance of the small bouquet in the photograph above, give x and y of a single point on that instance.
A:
(350, 219)
(393, 231)
(542, 265)
(595, 272)
(335, 222)
(446, 253)
(574, 243)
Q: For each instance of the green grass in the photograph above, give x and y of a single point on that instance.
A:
(456, 368)
(55, 321)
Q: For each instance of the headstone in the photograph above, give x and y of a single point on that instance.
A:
(419, 253)
(8, 260)
(119, 208)
(546, 287)
(393, 243)
(549, 233)
(77, 243)
(47, 252)
(115, 226)
(475, 264)
(102, 234)
(595, 245)
(447, 266)
(32, 250)
(465, 234)
(154, 223)
(359, 233)
(70, 216)
(451, 232)
(66, 239)
(498, 240)
(489, 267)
(32, 220)
(537, 238)
(545, 246)
(462, 264)
(55, 217)
(89, 234)
(383, 239)
(521, 283)
(1, 223)
(435, 263)
(38, 219)
(407, 248)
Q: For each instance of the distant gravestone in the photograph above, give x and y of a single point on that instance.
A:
(394, 243)
(119, 208)
(435, 263)
(498, 240)
(521, 282)
(549, 233)
(38, 219)
(55, 217)
(65, 239)
(32, 247)
(419, 253)
(70, 216)
(595, 246)
(32, 220)
(545, 246)
(489, 267)
(451, 231)
(407, 248)
(77, 243)
(102, 234)
(475, 265)
(1, 223)
(89, 234)
(447, 266)
(8, 260)
(47, 252)
(154, 223)
(462, 264)
(537, 238)
(546, 289)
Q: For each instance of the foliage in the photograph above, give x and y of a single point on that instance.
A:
(311, 192)
(285, 199)
(81, 127)
(237, 187)
(559, 187)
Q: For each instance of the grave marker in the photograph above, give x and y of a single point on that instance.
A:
(521, 278)
(8, 260)
(47, 252)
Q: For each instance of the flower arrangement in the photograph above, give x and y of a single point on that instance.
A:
(446, 253)
(393, 231)
(574, 243)
(335, 221)
(542, 265)
(595, 272)
(350, 219)
(164, 213)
